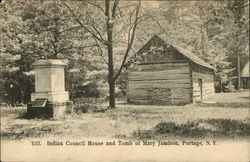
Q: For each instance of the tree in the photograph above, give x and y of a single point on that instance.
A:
(207, 29)
(9, 45)
(106, 16)
(240, 11)
(32, 31)
(212, 42)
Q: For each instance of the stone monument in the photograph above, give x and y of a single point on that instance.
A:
(50, 98)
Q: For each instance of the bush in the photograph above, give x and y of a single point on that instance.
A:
(143, 134)
(163, 128)
(189, 129)
(87, 91)
(228, 127)
(21, 133)
(225, 128)
(16, 87)
(228, 87)
(86, 105)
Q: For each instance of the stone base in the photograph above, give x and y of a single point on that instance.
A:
(51, 110)
(51, 96)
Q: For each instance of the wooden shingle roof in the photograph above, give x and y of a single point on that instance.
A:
(191, 56)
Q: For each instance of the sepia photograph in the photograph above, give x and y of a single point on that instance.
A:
(124, 80)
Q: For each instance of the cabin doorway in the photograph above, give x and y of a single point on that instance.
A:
(246, 82)
(200, 86)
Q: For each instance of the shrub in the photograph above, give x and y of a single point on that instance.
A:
(86, 105)
(228, 127)
(143, 134)
(225, 128)
(163, 128)
(189, 129)
(86, 91)
(16, 133)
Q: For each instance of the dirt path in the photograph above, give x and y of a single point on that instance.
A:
(237, 97)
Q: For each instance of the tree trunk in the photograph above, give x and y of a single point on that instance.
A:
(112, 94)
(111, 80)
(221, 90)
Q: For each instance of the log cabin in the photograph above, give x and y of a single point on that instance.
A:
(245, 77)
(167, 75)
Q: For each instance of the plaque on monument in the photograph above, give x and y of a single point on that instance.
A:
(40, 102)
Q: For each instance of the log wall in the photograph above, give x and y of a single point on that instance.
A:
(161, 84)
(207, 78)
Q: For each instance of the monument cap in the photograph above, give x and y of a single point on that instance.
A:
(58, 62)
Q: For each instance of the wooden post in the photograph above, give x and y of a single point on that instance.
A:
(238, 69)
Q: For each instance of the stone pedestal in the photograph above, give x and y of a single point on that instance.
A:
(50, 85)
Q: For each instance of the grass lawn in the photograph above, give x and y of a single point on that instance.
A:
(133, 122)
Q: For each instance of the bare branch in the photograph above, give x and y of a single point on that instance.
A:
(131, 26)
(96, 5)
(77, 19)
(73, 27)
(114, 8)
(54, 47)
(107, 8)
(127, 6)
(154, 19)
(100, 52)
(123, 42)
(139, 20)
(120, 12)
(91, 50)
(121, 30)
(82, 47)
(158, 23)
(130, 43)
(127, 22)
(95, 28)
(134, 52)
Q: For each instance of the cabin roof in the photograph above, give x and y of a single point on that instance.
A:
(192, 57)
(245, 70)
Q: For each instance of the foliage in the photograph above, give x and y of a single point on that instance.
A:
(143, 134)
(197, 129)
(189, 129)
(100, 38)
(33, 31)
(29, 132)
(122, 84)
(86, 105)
(17, 87)
(229, 127)
(210, 30)
(89, 90)
(113, 27)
